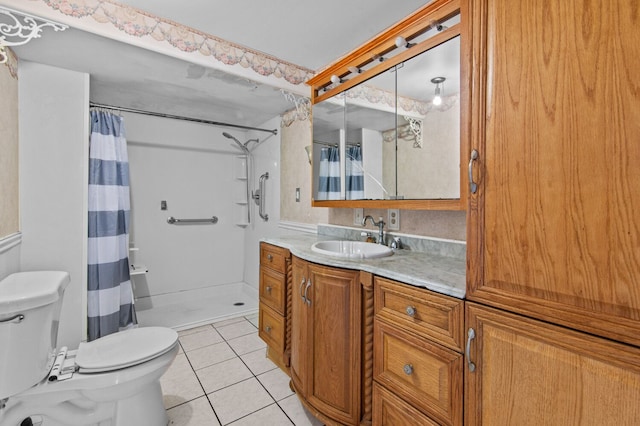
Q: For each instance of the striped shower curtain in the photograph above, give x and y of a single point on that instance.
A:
(354, 173)
(110, 295)
(329, 176)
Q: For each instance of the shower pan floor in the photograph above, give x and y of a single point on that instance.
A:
(191, 308)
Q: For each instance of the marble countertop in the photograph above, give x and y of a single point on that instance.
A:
(442, 274)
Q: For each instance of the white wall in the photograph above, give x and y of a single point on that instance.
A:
(53, 182)
(191, 166)
(266, 157)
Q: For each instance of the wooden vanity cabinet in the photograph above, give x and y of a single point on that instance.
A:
(326, 344)
(417, 355)
(275, 263)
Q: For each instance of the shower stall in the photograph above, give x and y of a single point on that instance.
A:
(198, 271)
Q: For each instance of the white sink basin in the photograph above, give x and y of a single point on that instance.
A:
(351, 249)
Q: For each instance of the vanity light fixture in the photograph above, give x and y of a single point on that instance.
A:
(402, 42)
(335, 79)
(354, 70)
(439, 82)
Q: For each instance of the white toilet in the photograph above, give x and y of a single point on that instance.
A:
(115, 380)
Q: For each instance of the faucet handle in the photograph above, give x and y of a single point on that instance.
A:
(395, 243)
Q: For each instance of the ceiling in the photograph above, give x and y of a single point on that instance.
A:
(310, 35)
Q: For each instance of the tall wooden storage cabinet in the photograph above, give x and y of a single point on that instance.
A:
(554, 227)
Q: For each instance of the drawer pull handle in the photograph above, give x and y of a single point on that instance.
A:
(306, 289)
(268, 329)
(473, 187)
(411, 311)
(302, 294)
(408, 369)
(268, 289)
(270, 258)
(471, 334)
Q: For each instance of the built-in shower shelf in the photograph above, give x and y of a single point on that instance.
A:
(138, 270)
(242, 224)
(241, 202)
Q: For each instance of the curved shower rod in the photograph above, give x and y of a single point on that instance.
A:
(179, 117)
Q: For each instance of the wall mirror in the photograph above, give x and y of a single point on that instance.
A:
(382, 141)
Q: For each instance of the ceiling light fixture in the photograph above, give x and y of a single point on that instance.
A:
(439, 82)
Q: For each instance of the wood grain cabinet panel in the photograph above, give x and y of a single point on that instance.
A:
(553, 230)
(426, 313)
(273, 257)
(393, 411)
(528, 372)
(272, 329)
(423, 373)
(272, 289)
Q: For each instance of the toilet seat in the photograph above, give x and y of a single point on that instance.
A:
(124, 349)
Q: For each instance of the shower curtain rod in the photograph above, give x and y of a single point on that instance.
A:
(178, 117)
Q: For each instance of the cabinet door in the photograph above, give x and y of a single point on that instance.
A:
(334, 305)
(553, 228)
(528, 372)
(300, 332)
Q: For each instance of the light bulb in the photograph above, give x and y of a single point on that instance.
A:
(437, 100)
(335, 79)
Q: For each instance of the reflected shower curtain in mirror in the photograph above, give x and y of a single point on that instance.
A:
(354, 173)
(329, 176)
(110, 294)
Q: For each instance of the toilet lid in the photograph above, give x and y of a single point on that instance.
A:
(124, 349)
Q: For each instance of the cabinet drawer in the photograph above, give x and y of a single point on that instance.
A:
(434, 316)
(422, 373)
(273, 257)
(271, 328)
(272, 289)
(389, 410)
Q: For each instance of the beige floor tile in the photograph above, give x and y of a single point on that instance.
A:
(237, 329)
(245, 344)
(253, 319)
(277, 384)
(194, 330)
(223, 374)
(297, 413)
(206, 337)
(258, 362)
(227, 322)
(271, 416)
(210, 355)
(239, 400)
(193, 413)
(180, 383)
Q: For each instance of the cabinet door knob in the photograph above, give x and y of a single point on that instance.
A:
(411, 311)
(270, 258)
(268, 329)
(408, 369)
(268, 289)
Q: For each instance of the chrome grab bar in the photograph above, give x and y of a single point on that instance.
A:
(16, 318)
(259, 196)
(172, 220)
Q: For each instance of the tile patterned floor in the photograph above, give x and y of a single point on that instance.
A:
(221, 377)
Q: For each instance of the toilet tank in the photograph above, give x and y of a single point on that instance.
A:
(28, 345)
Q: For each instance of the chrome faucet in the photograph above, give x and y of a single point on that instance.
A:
(379, 224)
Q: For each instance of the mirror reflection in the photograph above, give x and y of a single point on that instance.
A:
(387, 139)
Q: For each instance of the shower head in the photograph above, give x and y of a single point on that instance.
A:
(240, 145)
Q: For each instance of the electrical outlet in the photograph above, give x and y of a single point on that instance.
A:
(358, 215)
(393, 219)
